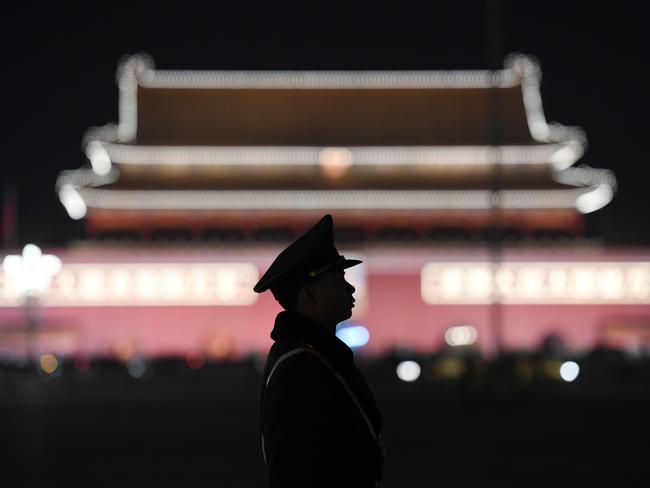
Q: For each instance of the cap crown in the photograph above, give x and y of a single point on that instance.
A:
(313, 253)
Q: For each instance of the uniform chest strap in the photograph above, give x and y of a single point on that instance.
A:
(343, 383)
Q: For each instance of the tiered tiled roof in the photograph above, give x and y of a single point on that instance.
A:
(221, 145)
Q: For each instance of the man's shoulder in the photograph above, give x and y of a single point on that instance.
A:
(288, 359)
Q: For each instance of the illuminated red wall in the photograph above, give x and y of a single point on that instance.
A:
(394, 313)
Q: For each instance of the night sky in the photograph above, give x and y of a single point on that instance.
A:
(60, 63)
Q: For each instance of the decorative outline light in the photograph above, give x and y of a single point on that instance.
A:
(326, 199)
(141, 68)
(529, 73)
(106, 145)
(602, 181)
(73, 202)
(128, 154)
(99, 157)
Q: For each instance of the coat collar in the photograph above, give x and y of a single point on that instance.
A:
(293, 326)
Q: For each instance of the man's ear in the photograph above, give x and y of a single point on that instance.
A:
(308, 295)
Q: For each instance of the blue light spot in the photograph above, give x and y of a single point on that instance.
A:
(354, 336)
(136, 367)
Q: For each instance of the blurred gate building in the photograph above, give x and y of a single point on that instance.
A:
(464, 203)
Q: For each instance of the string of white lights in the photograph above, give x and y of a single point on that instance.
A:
(593, 188)
(102, 154)
(141, 67)
(327, 199)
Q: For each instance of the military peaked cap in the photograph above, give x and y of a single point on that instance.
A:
(312, 254)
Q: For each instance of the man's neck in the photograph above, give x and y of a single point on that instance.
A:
(318, 320)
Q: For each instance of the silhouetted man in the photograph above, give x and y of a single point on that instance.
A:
(319, 421)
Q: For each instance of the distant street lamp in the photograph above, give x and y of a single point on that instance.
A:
(31, 274)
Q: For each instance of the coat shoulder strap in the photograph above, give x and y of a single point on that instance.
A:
(310, 350)
(286, 356)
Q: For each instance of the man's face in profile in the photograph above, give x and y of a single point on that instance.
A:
(334, 297)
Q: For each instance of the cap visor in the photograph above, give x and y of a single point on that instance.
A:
(348, 263)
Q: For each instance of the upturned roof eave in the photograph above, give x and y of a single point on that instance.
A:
(82, 188)
(519, 70)
(103, 154)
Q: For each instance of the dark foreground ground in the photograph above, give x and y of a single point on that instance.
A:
(505, 422)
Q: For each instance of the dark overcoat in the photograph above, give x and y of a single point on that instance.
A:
(319, 422)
